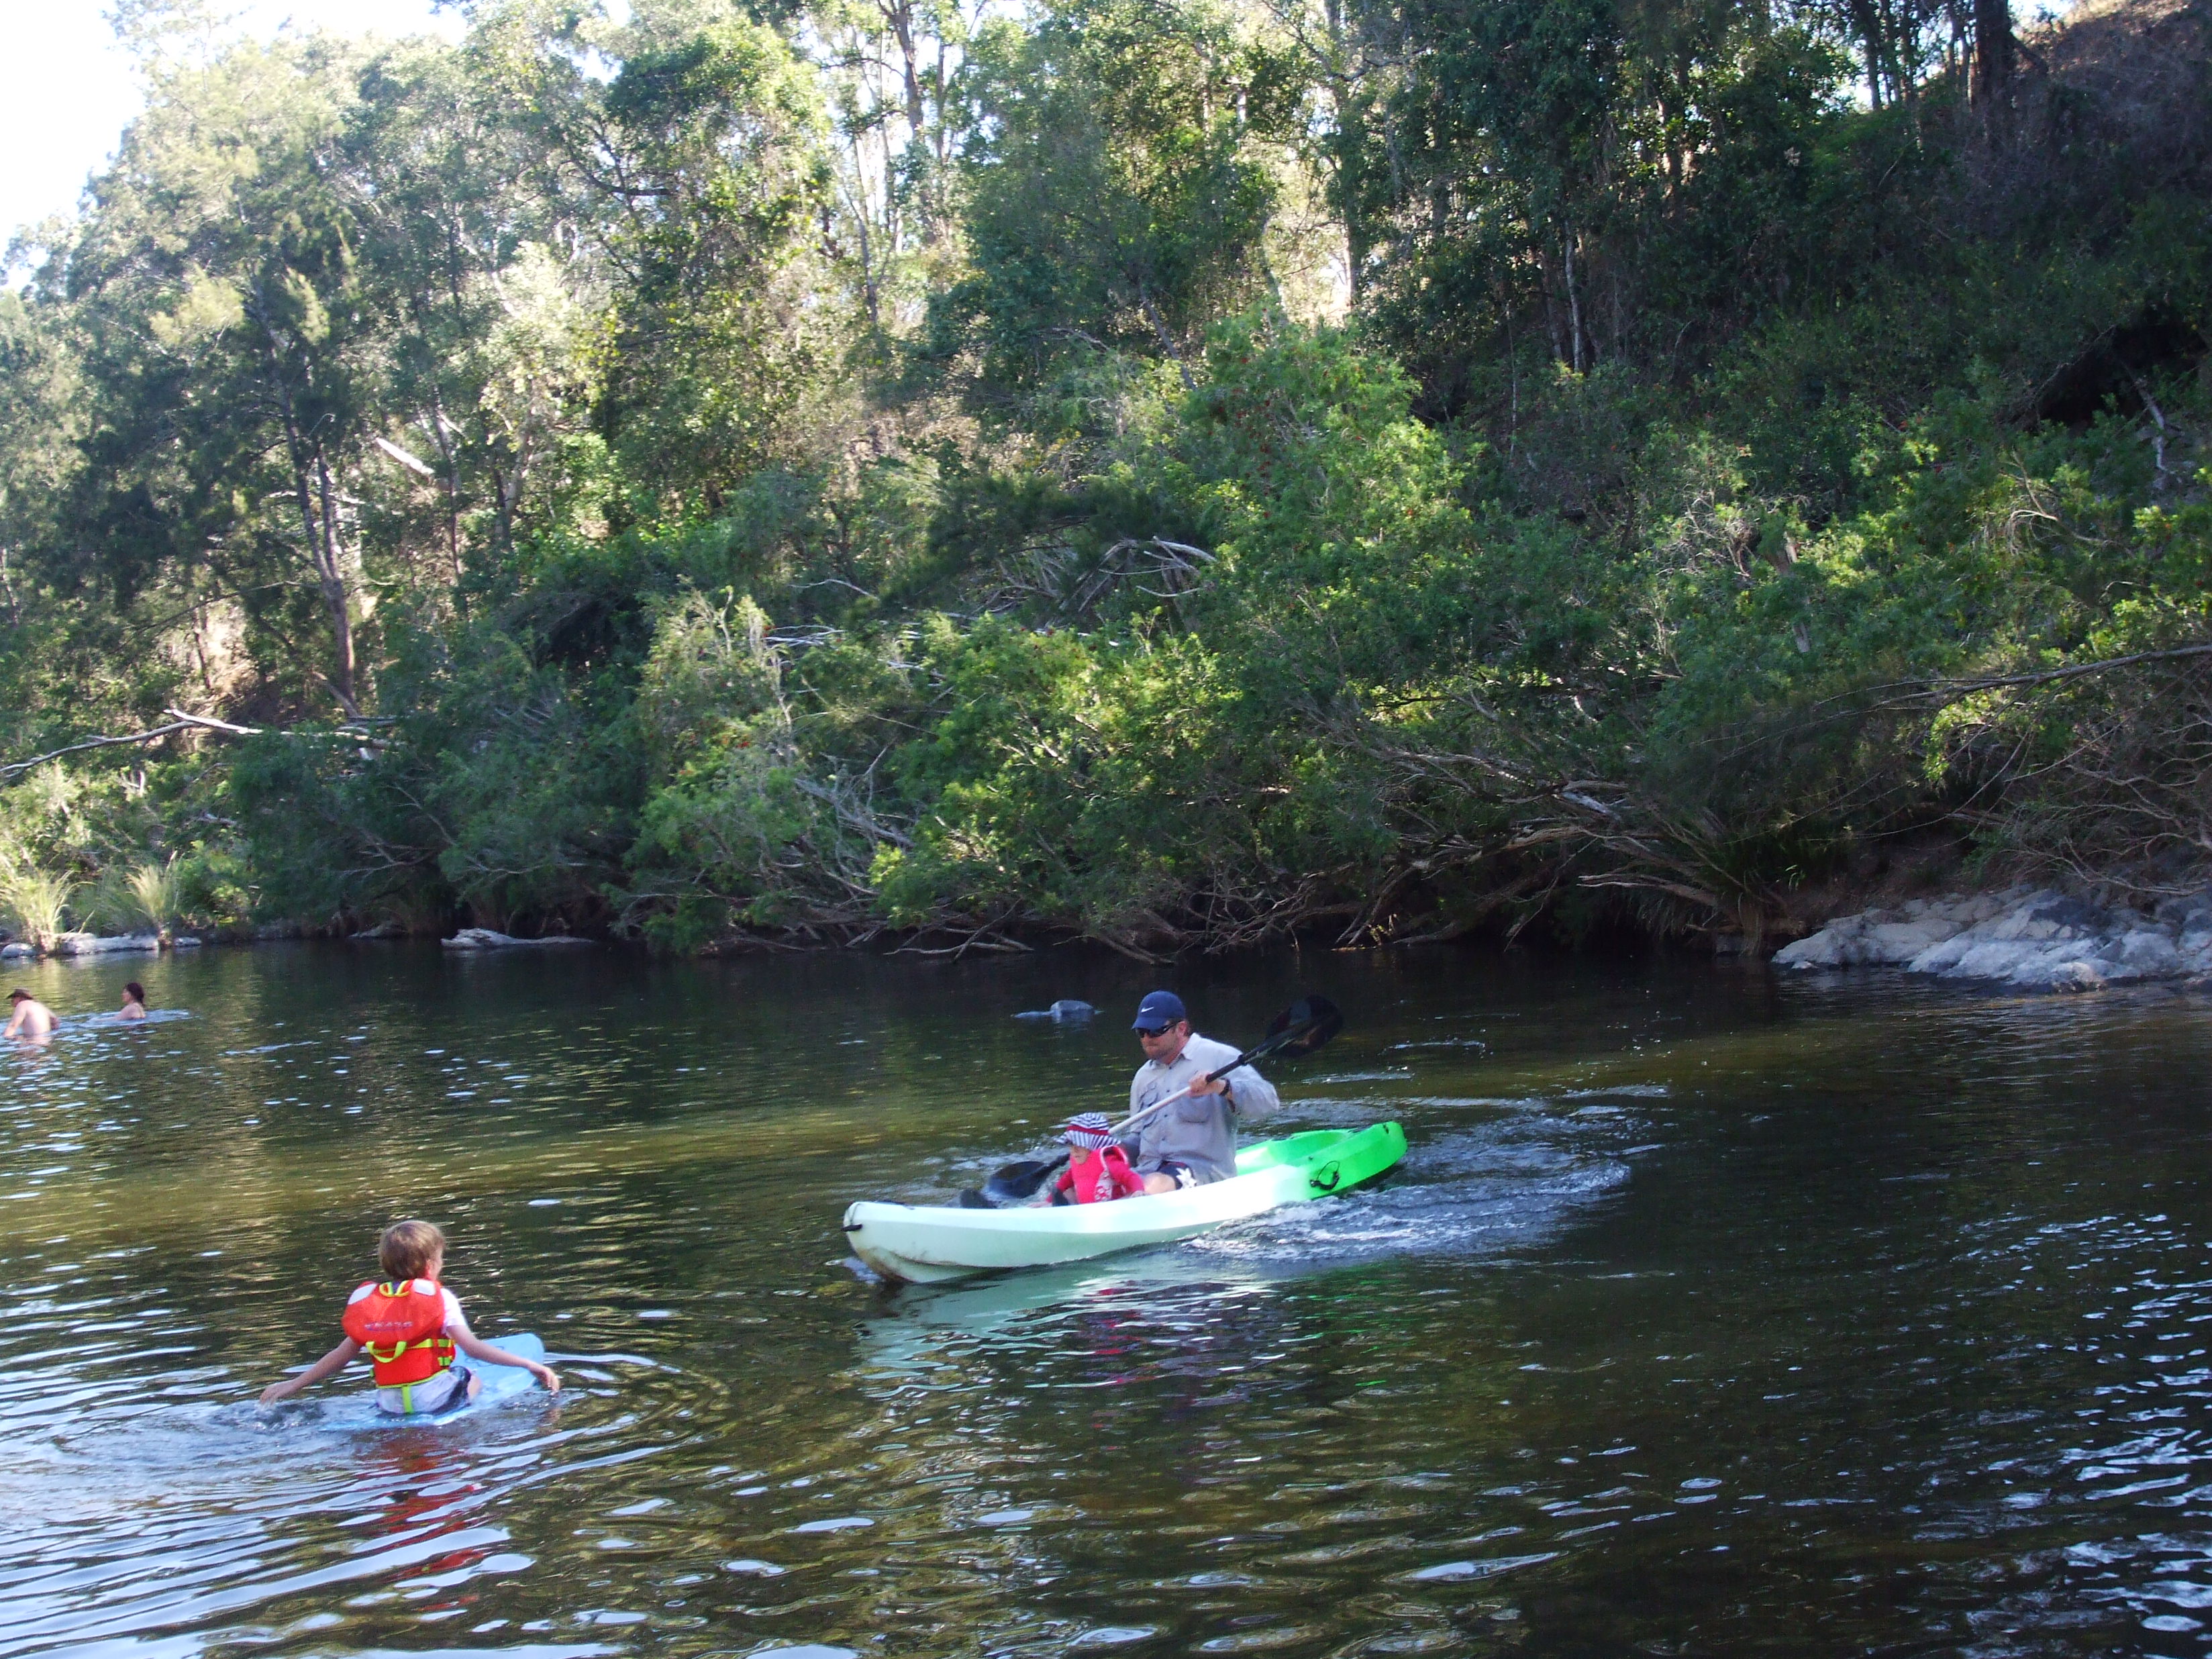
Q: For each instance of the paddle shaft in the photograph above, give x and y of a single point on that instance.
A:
(1137, 1117)
(1257, 1051)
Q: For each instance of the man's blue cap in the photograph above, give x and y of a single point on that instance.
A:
(1159, 1008)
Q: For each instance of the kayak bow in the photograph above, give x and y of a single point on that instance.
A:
(927, 1243)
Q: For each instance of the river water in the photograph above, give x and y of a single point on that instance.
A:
(1707, 1315)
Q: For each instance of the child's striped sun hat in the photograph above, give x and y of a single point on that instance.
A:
(1089, 1129)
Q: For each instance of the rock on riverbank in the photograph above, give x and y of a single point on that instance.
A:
(96, 944)
(483, 939)
(2037, 939)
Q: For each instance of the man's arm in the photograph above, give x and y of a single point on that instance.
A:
(1252, 1093)
(1206, 1055)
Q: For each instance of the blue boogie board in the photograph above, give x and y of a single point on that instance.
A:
(500, 1382)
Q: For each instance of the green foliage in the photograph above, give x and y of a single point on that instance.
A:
(709, 351)
(1117, 195)
(724, 473)
(39, 901)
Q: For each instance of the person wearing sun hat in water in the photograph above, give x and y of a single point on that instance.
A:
(1098, 1169)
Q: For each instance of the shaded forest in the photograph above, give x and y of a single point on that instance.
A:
(1177, 473)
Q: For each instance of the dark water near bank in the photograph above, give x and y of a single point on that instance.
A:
(1708, 1316)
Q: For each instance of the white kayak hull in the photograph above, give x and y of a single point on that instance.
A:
(928, 1244)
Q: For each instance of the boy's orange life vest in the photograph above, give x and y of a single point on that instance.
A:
(1096, 1176)
(403, 1327)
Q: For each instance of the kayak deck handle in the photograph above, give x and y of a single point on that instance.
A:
(1335, 1176)
(854, 1226)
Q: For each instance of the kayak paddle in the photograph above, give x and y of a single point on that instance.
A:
(1299, 1029)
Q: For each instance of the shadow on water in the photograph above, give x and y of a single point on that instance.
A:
(1708, 1313)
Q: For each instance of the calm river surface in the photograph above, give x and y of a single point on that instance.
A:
(1709, 1315)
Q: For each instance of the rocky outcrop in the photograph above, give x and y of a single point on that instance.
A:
(103, 944)
(2035, 938)
(95, 945)
(483, 939)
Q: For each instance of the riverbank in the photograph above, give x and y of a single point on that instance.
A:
(2031, 938)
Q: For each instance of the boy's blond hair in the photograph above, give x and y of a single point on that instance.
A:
(405, 1249)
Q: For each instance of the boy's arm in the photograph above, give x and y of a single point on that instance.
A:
(329, 1365)
(476, 1348)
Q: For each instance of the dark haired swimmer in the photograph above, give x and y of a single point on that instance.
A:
(133, 1002)
(29, 1018)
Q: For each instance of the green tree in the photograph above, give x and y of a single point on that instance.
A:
(702, 169)
(231, 348)
(1116, 196)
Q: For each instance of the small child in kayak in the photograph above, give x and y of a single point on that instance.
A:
(1098, 1169)
(411, 1326)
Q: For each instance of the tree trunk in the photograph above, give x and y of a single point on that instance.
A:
(451, 481)
(330, 573)
(321, 538)
(1865, 18)
(899, 14)
(1993, 61)
(1167, 340)
(1574, 306)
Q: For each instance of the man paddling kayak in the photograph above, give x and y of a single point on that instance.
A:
(1193, 1141)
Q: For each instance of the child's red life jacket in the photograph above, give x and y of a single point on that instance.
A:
(1094, 1177)
(403, 1327)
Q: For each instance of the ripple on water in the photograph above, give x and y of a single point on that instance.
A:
(1673, 1364)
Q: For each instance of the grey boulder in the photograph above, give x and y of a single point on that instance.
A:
(2034, 938)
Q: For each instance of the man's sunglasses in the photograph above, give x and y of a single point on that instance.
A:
(1151, 1031)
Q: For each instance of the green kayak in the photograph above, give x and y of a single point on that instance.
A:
(927, 1243)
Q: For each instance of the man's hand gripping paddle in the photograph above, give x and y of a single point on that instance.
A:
(1299, 1029)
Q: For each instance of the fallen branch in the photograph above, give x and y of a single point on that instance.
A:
(1953, 691)
(16, 767)
(179, 720)
(865, 823)
(213, 724)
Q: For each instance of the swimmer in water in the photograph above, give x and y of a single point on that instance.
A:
(29, 1018)
(133, 1002)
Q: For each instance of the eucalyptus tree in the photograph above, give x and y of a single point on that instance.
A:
(493, 288)
(1579, 180)
(1117, 189)
(41, 418)
(691, 143)
(232, 352)
(891, 70)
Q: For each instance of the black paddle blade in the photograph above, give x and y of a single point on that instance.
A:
(1016, 1184)
(1303, 1027)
